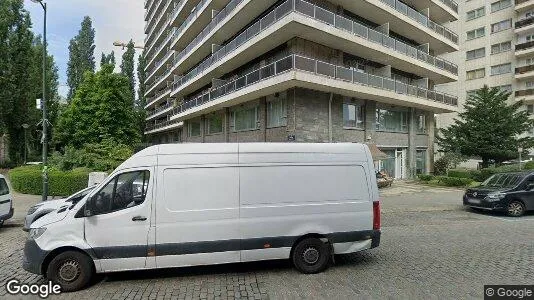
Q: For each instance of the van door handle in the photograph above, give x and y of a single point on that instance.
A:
(138, 218)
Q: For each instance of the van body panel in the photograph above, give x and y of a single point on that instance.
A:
(6, 200)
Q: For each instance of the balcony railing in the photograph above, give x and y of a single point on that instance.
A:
(159, 109)
(153, 13)
(524, 22)
(192, 16)
(524, 46)
(517, 2)
(527, 92)
(524, 69)
(158, 96)
(323, 15)
(451, 4)
(300, 63)
(422, 19)
(161, 125)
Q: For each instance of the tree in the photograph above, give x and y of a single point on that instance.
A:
(100, 110)
(488, 128)
(127, 67)
(81, 56)
(108, 59)
(15, 65)
(141, 77)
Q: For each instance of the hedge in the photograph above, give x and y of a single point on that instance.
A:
(424, 177)
(454, 181)
(28, 180)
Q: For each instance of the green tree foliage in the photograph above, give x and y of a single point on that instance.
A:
(488, 128)
(108, 59)
(127, 68)
(81, 56)
(16, 58)
(141, 76)
(100, 110)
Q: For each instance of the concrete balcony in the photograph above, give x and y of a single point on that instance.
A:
(524, 72)
(405, 21)
(162, 20)
(160, 111)
(163, 126)
(181, 11)
(526, 96)
(524, 25)
(299, 71)
(441, 11)
(524, 49)
(159, 96)
(162, 51)
(154, 13)
(523, 5)
(282, 24)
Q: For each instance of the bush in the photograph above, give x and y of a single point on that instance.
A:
(453, 181)
(459, 173)
(424, 177)
(105, 157)
(28, 180)
(529, 165)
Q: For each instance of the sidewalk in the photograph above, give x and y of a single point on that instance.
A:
(21, 203)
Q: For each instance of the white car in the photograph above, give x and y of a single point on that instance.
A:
(41, 209)
(197, 204)
(6, 201)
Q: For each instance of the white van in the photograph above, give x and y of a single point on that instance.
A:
(199, 204)
(6, 201)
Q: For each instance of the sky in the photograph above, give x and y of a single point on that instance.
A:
(113, 20)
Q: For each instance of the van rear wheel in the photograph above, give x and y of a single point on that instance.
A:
(311, 255)
(71, 270)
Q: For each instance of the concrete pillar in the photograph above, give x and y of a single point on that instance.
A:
(203, 128)
(430, 128)
(370, 121)
(227, 124)
(263, 118)
(330, 130)
(412, 146)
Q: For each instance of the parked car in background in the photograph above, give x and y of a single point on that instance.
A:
(41, 209)
(512, 193)
(6, 201)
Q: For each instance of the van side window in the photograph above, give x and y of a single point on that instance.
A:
(124, 191)
(4, 190)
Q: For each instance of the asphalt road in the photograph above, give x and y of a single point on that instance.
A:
(431, 248)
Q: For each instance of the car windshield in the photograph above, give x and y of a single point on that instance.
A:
(503, 180)
(4, 190)
(75, 198)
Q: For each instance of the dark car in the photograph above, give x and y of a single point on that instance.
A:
(512, 193)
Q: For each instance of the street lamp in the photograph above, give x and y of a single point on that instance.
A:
(43, 105)
(25, 127)
(520, 150)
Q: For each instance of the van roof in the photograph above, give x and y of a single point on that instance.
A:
(208, 148)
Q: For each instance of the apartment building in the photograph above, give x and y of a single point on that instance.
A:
(302, 71)
(496, 49)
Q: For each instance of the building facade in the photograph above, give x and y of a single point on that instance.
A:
(496, 49)
(302, 71)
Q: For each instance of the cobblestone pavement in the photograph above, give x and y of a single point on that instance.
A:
(437, 250)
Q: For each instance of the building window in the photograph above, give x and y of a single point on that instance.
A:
(501, 69)
(476, 13)
(529, 84)
(420, 162)
(391, 120)
(501, 47)
(529, 37)
(500, 26)
(277, 113)
(471, 93)
(420, 123)
(476, 33)
(194, 128)
(245, 119)
(352, 116)
(530, 109)
(474, 54)
(476, 74)
(214, 124)
(505, 88)
(496, 6)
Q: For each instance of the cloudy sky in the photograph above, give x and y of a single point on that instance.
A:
(112, 19)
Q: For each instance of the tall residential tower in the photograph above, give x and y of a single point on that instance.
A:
(302, 71)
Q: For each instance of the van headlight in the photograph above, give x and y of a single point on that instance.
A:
(495, 196)
(35, 233)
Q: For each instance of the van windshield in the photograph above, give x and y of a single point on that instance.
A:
(503, 181)
(4, 190)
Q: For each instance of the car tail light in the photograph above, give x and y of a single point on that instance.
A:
(376, 215)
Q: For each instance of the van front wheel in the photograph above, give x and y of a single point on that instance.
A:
(71, 270)
(311, 255)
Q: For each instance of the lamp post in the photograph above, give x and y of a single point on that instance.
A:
(520, 150)
(43, 105)
(25, 127)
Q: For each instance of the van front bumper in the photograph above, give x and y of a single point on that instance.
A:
(34, 257)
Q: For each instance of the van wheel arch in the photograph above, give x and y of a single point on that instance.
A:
(60, 250)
